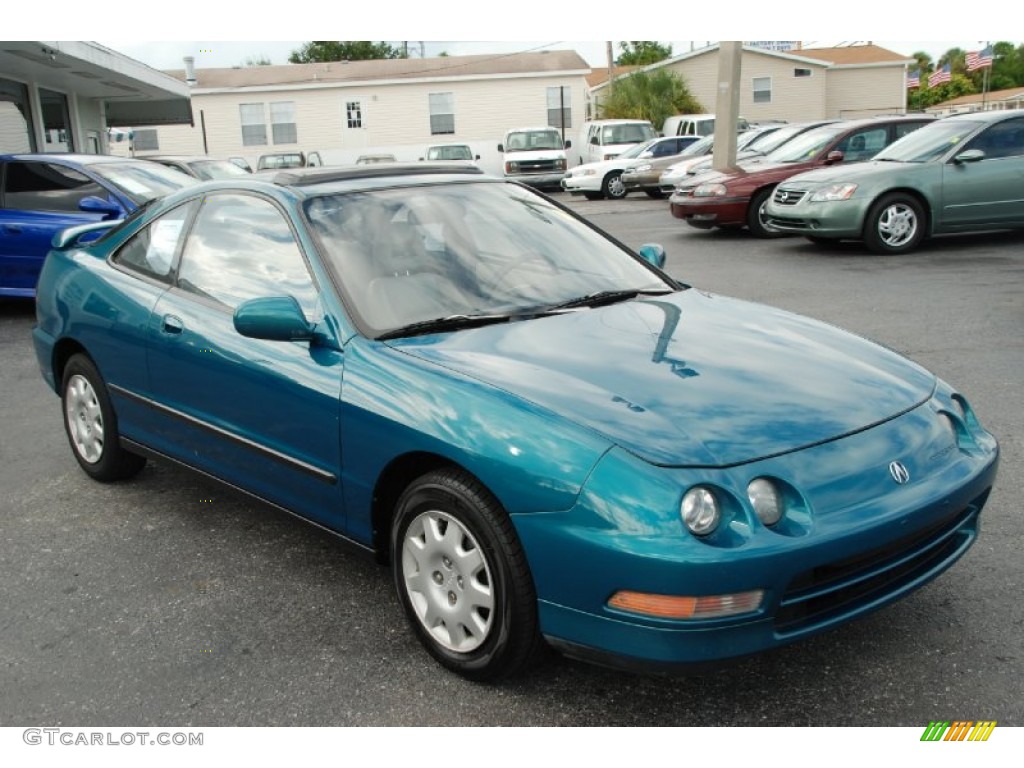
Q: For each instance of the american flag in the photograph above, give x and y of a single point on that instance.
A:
(939, 76)
(979, 59)
(914, 79)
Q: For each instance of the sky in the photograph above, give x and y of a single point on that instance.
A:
(232, 35)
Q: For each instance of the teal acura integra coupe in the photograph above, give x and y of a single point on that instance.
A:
(550, 440)
(960, 174)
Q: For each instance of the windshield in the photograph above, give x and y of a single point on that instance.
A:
(772, 141)
(807, 145)
(217, 169)
(142, 181)
(529, 141)
(627, 133)
(638, 150)
(700, 147)
(460, 152)
(420, 253)
(929, 142)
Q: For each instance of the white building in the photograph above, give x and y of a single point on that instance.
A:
(344, 109)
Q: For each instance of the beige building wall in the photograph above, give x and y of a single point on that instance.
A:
(395, 118)
(866, 91)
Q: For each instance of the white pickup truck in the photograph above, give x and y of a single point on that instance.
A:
(534, 156)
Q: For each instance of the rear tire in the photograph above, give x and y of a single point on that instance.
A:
(91, 424)
(462, 577)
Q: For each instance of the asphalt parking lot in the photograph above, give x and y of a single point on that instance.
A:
(172, 600)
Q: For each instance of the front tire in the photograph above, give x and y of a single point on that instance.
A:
(894, 225)
(462, 577)
(91, 424)
(657, 194)
(613, 187)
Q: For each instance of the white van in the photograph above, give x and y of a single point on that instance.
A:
(605, 139)
(534, 156)
(696, 125)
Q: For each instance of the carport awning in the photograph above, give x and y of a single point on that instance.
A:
(124, 114)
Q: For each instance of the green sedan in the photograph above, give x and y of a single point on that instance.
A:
(963, 173)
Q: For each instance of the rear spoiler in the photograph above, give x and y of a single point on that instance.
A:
(69, 238)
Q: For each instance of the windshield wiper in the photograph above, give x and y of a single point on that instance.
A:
(608, 297)
(449, 323)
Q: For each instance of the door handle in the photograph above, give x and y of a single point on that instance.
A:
(172, 324)
(12, 229)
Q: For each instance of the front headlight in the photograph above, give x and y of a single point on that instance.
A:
(766, 500)
(710, 190)
(834, 192)
(512, 167)
(700, 511)
(641, 168)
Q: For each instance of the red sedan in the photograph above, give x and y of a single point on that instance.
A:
(735, 199)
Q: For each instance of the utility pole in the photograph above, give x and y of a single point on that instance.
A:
(611, 67)
(727, 104)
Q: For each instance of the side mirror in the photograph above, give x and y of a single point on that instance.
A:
(648, 153)
(278, 318)
(654, 254)
(835, 156)
(969, 156)
(93, 204)
(501, 147)
(593, 139)
(568, 143)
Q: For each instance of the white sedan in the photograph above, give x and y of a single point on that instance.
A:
(604, 178)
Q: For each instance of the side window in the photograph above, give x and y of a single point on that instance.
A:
(863, 145)
(242, 248)
(664, 148)
(1005, 139)
(151, 250)
(47, 187)
(902, 129)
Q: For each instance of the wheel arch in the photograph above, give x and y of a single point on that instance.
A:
(63, 351)
(392, 482)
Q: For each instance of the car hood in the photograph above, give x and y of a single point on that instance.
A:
(854, 172)
(689, 379)
(753, 171)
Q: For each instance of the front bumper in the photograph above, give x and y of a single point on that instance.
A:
(860, 542)
(839, 218)
(548, 179)
(577, 185)
(706, 212)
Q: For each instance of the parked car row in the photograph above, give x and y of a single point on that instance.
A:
(889, 181)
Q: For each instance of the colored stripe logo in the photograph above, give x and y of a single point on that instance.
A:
(958, 730)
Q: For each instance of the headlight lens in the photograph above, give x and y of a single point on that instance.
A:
(511, 167)
(834, 192)
(766, 500)
(640, 168)
(709, 190)
(700, 511)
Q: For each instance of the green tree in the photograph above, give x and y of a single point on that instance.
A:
(924, 63)
(343, 50)
(640, 52)
(921, 98)
(649, 96)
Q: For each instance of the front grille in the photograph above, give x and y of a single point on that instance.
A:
(841, 588)
(788, 196)
(538, 166)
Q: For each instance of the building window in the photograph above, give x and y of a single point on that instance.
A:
(354, 113)
(282, 117)
(145, 139)
(560, 106)
(56, 122)
(762, 90)
(798, 72)
(254, 125)
(442, 113)
(16, 133)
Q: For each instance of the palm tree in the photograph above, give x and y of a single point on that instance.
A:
(650, 96)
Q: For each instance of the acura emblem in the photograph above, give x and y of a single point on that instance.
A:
(899, 473)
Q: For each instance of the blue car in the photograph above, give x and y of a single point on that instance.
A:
(552, 442)
(40, 195)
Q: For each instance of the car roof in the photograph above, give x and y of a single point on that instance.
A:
(184, 158)
(307, 177)
(989, 116)
(70, 157)
(533, 128)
